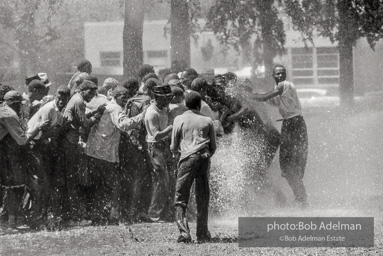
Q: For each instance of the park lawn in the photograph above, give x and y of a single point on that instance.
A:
(155, 239)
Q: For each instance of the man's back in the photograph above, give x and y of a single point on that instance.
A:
(192, 132)
(175, 110)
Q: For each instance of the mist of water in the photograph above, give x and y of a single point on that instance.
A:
(343, 173)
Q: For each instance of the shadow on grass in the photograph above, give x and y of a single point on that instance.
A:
(223, 239)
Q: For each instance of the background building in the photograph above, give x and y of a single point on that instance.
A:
(309, 66)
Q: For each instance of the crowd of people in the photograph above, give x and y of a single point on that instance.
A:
(129, 151)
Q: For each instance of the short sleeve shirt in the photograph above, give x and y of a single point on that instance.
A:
(47, 112)
(288, 102)
(156, 120)
(191, 133)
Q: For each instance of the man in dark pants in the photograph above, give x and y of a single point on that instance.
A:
(134, 159)
(194, 137)
(17, 178)
(102, 150)
(46, 149)
(77, 121)
(294, 142)
(158, 131)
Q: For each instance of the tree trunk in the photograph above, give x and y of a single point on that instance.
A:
(267, 39)
(180, 33)
(347, 39)
(132, 37)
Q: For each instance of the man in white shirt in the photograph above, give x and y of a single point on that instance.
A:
(102, 148)
(158, 131)
(48, 152)
(294, 146)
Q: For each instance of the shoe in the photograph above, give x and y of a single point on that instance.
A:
(142, 217)
(23, 227)
(157, 220)
(184, 239)
(301, 204)
(81, 223)
(84, 222)
(113, 221)
(10, 231)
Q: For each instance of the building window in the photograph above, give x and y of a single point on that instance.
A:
(315, 65)
(327, 65)
(158, 59)
(302, 64)
(157, 54)
(110, 59)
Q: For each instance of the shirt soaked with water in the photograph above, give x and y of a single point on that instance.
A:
(47, 112)
(156, 120)
(192, 132)
(75, 114)
(104, 137)
(288, 102)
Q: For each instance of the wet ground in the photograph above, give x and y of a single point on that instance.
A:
(343, 178)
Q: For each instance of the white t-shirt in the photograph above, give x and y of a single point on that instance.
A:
(288, 102)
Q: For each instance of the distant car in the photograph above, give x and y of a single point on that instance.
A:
(317, 98)
(244, 73)
(313, 99)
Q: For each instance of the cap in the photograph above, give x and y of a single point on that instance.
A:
(162, 90)
(13, 96)
(30, 78)
(44, 78)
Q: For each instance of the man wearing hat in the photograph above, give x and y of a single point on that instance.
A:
(30, 78)
(102, 148)
(32, 100)
(14, 158)
(158, 131)
(43, 77)
(194, 137)
(77, 122)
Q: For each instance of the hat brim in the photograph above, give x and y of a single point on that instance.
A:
(163, 95)
(13, 101)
